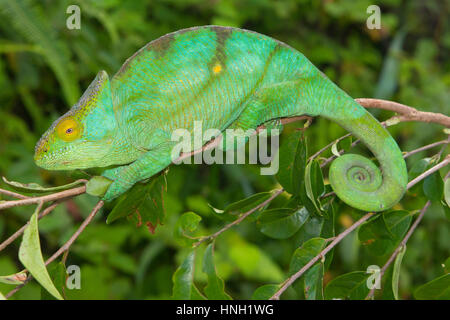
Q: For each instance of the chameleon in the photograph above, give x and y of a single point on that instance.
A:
(227, 78)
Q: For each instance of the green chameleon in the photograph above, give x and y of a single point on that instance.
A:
(226, 78)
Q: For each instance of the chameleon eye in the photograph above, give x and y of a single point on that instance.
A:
(68, 129)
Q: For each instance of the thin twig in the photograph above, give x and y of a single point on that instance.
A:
(66, 246)
(407, 113)
(241, 218)
(14, 236)
(328, 160)
(69, 242)
(429, 146)
(400, 246)
(50, 197)
(341, 236)
(430, 171)
(341, 152)
(315, 155)
(413, 227)
(322, 254)
(13, 194)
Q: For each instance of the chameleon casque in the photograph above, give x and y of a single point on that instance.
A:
(226, 78)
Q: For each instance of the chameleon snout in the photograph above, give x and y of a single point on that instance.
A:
(40, 150)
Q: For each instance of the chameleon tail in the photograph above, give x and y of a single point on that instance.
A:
(356, 179)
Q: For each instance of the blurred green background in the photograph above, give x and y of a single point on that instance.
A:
(44, 68)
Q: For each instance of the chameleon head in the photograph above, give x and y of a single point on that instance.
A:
(83, 136)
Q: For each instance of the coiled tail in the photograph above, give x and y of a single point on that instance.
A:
(357, 180)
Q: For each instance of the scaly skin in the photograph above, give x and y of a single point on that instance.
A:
(226, 78)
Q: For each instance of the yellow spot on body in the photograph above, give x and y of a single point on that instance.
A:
(217, 68)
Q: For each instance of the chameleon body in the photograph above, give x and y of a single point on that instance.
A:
(226, 78)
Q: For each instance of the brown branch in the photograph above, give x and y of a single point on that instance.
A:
(83, 226)
(315, 155)
(341, 152)
(424, 148)
(13, 194)
(415, 224)
(406, 113)
(400, 246)
(66, 246)
(14, 236)
(240, 219)
(321, 255)
(50, 197)
(341, 236)
(430, 171)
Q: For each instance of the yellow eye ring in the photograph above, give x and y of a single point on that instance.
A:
(68, 129)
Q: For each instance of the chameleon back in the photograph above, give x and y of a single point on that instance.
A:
(233, 78)
(209, 74)
(225, 78)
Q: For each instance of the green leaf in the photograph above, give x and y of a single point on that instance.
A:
(314, 282)
(334, 149)
(433, 187)
(447, 265)
(382, 234)
(282, 223)
(418, 168)
(313, 278)
(346, 143)
(16, 278)
(265, 292)
(389, 77)
(437, 289)
(144, 203)
(58, 275)
(397, 222)
(314, 184)
(251, 261)
(293, 157)
(183, 280)
(2, 297)
(186, 224)
(328, 231)
(305, 253)
(214, 290)
(447, 192)
(446, 210)
(97, 186)
(396, 271)
(351, 286)
(376, 236)
(233, 210)
(31, 256)
(36, 188)
(312, 228)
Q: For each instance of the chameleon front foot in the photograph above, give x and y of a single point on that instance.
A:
(117, 188)
(118, 185)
